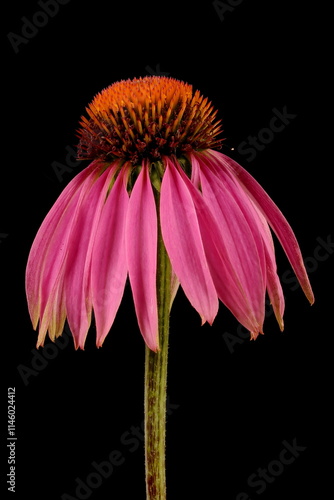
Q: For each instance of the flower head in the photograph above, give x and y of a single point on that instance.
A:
(155, 168)
(149, 118)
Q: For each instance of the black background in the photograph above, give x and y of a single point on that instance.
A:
(232, 404)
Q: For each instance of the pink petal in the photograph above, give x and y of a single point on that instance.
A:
(56, 320)
(184, 245)
(274, 287)
(275, 291)
(52, 299)
(109, 265)
(55, 226)
(141, 251)
(242, 248)
(260, 230)
(224, 278)
(272, 214)
(77, 286)
(259, 227)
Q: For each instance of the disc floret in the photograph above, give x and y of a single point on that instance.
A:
(149, 118)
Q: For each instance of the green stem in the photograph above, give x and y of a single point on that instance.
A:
(155, 386)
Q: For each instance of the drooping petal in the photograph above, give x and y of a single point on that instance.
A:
(273, 215)
(225, 280)
(52, 289)
(56, 321)
(260, 230)
(184, 245)
(274, 287)
(109, 264)
(243, 249)
(77, 286)
(141, 250)
(275, 291)
(45, 239)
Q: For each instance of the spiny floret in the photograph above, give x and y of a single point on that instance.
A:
(147, 118)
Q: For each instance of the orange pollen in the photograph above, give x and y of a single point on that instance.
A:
(147, 118)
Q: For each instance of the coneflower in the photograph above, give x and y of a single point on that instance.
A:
(161, 206)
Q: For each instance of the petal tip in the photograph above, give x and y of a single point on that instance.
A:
(153, 345)
(254, 334)
(280, 322)
(311, 299)
(78, 345)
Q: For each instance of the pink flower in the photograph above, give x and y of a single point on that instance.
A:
(154, 169)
